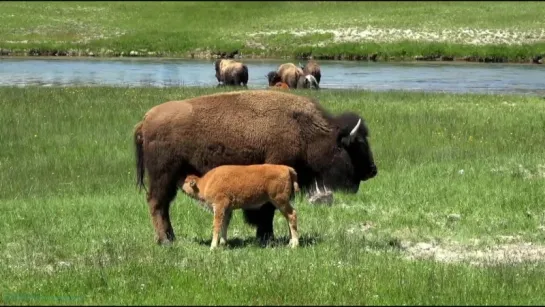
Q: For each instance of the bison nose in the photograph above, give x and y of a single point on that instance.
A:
(373, 171)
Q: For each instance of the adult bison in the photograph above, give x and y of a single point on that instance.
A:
(292, 75)
(231, 72)
(312, 68)
(195, 135)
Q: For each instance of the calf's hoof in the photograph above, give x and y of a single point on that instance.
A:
(294, 243)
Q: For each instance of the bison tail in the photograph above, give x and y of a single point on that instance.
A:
(293, 176)
(244, 75)
(139, 151)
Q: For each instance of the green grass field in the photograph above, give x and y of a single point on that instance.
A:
(503, 31)
(75, 229)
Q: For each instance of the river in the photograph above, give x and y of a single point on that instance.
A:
(378, 76)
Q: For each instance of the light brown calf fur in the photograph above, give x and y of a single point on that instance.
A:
(281, 85)
(230, 187)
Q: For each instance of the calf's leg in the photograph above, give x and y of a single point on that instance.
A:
(291, 216)
(219, 215)
(226, 220)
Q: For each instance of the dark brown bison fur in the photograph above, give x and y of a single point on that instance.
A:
(231, 72)
(193, 136)
(313, 68)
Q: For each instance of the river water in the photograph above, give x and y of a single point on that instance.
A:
(433, 77)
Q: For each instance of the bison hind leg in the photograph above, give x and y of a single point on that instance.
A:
(162, 191)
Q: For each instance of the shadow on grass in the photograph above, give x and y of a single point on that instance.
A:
(234, 243)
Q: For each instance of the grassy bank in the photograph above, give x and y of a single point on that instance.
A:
(448, 220)
(485, 31)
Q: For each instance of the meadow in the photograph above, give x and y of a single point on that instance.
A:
(455, 215)
(475, 31)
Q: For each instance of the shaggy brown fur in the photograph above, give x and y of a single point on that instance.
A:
(231, 72)
(290, 74)
(242, 128)
(313, 68)
(230, 187)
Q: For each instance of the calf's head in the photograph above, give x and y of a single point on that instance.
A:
(190, 185)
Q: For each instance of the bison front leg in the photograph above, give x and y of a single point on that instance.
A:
(262, 218)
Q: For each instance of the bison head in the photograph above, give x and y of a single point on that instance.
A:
(307, 81)
(353, 160)
(273, 78)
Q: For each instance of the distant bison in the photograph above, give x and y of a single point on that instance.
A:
(230, 187)
(231, 72)
(293, 76)
(195, 135)
(312, 68)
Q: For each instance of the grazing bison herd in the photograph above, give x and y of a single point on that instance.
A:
(297, 143)
(286, 76)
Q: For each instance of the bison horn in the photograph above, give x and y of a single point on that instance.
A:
(317, 188)
(353, 132)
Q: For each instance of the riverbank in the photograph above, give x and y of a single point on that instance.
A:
(505, 32)
(453, 217)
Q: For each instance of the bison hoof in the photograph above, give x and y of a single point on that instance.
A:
(265, 239)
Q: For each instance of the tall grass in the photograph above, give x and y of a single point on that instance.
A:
(75, 229)
(182, 28)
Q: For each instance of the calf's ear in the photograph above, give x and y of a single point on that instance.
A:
(193, 183)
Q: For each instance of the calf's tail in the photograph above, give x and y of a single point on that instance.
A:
(293, 176)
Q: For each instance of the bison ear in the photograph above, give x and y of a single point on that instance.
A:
(347, 139)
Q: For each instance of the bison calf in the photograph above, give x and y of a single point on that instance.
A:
(230, 187)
